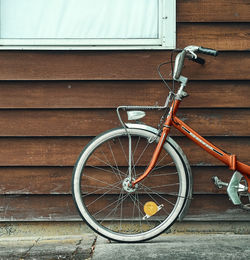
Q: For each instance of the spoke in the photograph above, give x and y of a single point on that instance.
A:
(121, 210)
(166, 185)
(114, 209)
(132, 160)
(163, 174)
(161, 159)
(109, 184)
(112, 188)
(109, 205)
(145, 213)
(100, 196)
(97, 187)
(157, 203)
(141, 155)
(158, 162)
(138, 206)
(166, 165)
(164, 193)
(138, 202)
(113, 169)
(104, 170)
(175, 194)
(137, 143)
(114, 160)
(130, 195)
(123, 149)
(145, 187)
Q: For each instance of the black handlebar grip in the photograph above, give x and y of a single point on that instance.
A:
(199, 60)
(208, 51)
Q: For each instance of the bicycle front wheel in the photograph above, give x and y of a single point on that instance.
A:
(109, 205)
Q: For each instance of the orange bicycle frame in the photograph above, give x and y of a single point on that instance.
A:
(173, 120)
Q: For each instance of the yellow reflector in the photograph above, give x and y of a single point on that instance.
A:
(150, 208)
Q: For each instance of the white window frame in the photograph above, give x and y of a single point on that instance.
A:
(166, 40)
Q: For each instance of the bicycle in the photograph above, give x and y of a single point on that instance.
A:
(132, 183)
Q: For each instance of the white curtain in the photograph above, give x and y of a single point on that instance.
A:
(74, 19)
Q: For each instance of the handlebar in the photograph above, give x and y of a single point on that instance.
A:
(190, 52)
(208, 51)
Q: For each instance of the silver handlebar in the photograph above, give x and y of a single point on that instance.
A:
(190, 51)
(179, 60)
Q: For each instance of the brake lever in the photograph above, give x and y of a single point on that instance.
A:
(194, 56)
(196, 59)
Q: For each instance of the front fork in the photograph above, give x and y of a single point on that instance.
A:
(166, 128)
(164, 134)
(155, 156)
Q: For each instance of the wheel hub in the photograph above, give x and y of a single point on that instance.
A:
(127, 185)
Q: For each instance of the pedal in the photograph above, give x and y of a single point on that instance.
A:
(218, 183)
(235, 187)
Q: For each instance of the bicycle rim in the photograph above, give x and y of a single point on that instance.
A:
(107, 204)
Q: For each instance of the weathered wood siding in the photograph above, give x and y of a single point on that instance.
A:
(53, 102)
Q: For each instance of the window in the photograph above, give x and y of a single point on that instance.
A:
(86, 24)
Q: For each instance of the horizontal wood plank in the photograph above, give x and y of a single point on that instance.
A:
(57, 180)
(58, 151)
(216, 122)
(62, 208)
(229, 36)
(111, 94)
(213, 11)
(35, 180)
(115, 65)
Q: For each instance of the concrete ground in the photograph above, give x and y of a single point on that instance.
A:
(167, 246)
(74, 240)
(164, 247)
(51, 248)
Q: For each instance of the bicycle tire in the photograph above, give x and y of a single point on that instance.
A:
(97, 181)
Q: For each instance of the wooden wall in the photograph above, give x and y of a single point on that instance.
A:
(53, 102)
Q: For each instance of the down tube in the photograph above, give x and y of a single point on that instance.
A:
(203, 143)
